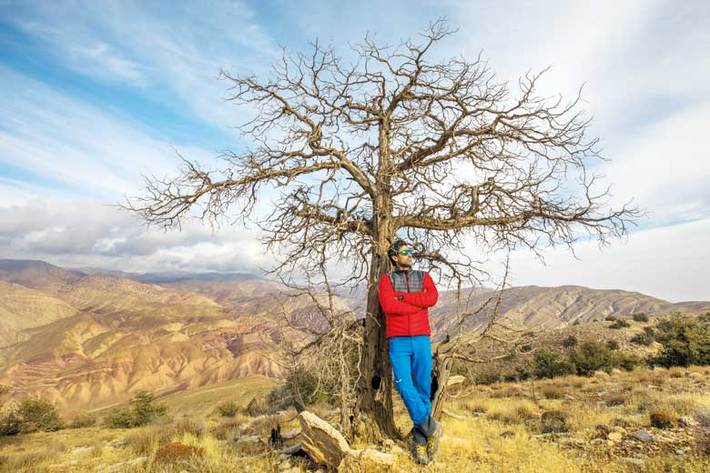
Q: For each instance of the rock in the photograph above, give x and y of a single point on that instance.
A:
(679, 451)
(81, 450)
(553, 422)
(290, 434)
(633, 461)
(325, 445)
(685, 421)
(454, 380)
(644, 436)
(118, 443)
(596, 441)
(123, 466)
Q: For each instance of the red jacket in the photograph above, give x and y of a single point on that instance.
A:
(410, 316)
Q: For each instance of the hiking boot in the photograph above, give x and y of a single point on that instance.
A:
(419, 451)
(432, 444)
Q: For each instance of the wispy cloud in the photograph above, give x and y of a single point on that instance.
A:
(178, 50)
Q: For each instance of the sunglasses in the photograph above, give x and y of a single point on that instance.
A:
(406, 252)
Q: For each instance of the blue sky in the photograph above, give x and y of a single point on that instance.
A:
(95, 94)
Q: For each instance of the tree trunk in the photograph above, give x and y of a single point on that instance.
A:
(374, 409)
(440, 376)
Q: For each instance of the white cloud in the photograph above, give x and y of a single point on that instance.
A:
(668, 262)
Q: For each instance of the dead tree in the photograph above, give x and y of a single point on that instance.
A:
(395, 144)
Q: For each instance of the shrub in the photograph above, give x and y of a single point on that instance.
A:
(569, 342)
(548, 364)
(553, 422)
(640, 317)
(552, 392)
(144, 409)
(610, 318)
(175, 451)
(642, 339)
(301, 385)
(685, 341)
(590, 357)
(121, 419)
(620, 324)
(228, 409)
(626, 361)
(488, 377)
(612, 344)
(662, 419)
(38, 414)
(9, 423)
(142, 412)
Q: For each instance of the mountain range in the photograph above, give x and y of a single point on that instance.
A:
(88, 339)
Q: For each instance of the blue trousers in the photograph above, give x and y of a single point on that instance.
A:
(410, 358)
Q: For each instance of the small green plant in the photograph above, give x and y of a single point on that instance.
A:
(569, 342)
(228, 409)
(639, 317)
(554, 422)
(618, 324)
(662, 419)
(612, 345)
(488, 377)
(642, 338)
(9, 423)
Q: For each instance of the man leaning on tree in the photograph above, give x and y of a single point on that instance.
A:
(405, 297)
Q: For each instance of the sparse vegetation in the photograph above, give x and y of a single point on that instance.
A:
(662, 419)
(569, 342)
(619, 324)
(228, 409)
(685, 341)
(143, 410)
(639, 317)
(37, 414)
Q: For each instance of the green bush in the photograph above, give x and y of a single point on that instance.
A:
(569, 342)
(488, 377)
(121, 419)
(685, 341)
(142, 411)
(612, 345)
(642, 338)
(592, 356)
(9, 423)
(38, 414)
(619, 324)
(640, 317)
(228, 409)
(548, 364)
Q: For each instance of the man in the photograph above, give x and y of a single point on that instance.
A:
(405, 297)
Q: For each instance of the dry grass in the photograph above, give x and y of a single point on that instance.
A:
(500, 433)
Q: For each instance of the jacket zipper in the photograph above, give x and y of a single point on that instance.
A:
(409, 317)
